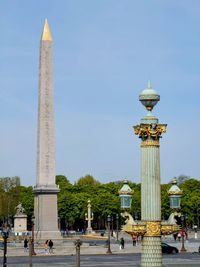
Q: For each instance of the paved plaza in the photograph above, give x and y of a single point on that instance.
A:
(93, 253)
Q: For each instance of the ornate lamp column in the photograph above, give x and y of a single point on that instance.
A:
(150, 131)
(89, 217)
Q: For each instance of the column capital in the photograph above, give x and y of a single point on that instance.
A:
(150, 131)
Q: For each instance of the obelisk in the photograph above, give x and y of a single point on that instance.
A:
(46, 190)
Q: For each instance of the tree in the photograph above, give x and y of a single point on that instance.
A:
(27, 199)
(181, 179)
(190, 203)
(9, 197)
(165, 205)
(87, 180)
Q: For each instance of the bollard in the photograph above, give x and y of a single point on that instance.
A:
(78, 244)
(5, 252)
(30, 252)
(5, 234)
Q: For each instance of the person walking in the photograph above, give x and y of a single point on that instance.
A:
(122, 243)
(179, 236)
(46, 244)
(134, 239)
(25, 244)
(50, 246)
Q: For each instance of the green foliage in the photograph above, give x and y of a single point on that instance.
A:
(9, 196)
(181, 179)
(190, 203)
(165, 205)
(87, 180)
(27, 199)
(73, 199)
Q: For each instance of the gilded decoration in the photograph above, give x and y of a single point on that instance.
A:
(150, 131)
(178, 193)
(46, 35)
(150, 228)
(137, 230)
(153, 228)
(150, 143)
(167, 229)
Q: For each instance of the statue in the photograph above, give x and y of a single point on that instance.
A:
(20, 209)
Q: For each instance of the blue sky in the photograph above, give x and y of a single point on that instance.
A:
(105, 51)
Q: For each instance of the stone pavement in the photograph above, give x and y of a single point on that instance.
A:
(67, 247)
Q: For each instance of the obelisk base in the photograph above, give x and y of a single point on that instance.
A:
(46, 214)
(44, 235)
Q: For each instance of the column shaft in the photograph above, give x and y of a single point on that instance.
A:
(151, 209)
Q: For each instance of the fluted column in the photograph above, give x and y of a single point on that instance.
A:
(151, 199)
(150, 160)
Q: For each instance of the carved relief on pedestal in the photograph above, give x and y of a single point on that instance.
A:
(153, 228)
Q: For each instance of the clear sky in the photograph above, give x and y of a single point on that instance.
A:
(105, 51)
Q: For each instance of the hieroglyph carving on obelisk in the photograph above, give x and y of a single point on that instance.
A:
(46, 190)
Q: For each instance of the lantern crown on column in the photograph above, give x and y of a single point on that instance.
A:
(125, 190)
(175, 194)
(125, 194)
(174, 189)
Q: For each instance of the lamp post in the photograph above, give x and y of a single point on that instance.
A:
(150, 227)
(117, 224)
(112, 226)
(89, 216)
(150, 131)
(183, 233)
(32, 239)
(5, 235)
(108, 221)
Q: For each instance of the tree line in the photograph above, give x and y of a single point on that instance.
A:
(73, 200)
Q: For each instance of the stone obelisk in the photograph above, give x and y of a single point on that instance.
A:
(46, 190)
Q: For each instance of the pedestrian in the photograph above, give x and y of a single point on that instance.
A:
(122, 243)
(114, 235)
(25, 244)
(46, 244)
(50, 246)
(134, 239)
(179, 236)
(175, 236)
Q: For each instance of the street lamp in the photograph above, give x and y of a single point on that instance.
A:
(108, 221)
(125, 194)
(5, 235)
(117, 222)
(175, 194)
(150, 131)
(89, 216)
(32, 239)
(183, 233)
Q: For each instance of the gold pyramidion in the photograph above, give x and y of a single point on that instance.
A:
(46, 35)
